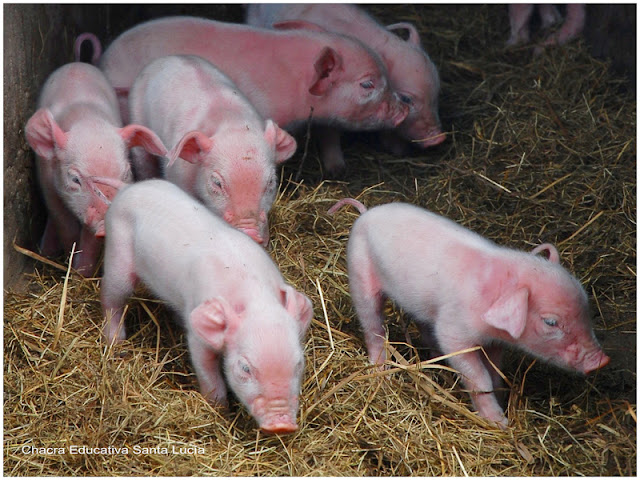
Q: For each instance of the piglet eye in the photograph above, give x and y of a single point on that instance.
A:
(552, 322)
(246, 369)
(74, 177)
(216, 182)
(368, 84)
(405, 98)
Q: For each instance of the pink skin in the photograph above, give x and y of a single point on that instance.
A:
(95, 45)
(464, 291)
(413, 76)
(230, 296)
(284, 74)
(223, 152)
(77, 135)
(520, 15)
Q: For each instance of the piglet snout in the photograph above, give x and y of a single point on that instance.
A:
(253, 225)
(595, 361)
(253, 233)
(284, 426)
(275, 416)
(100, 230)
(433, 138)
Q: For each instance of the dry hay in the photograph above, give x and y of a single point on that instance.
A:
(539, 150)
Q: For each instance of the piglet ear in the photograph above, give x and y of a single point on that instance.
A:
(298, 25)
(139, 136)
(284, 143)
(509, 312)
(554, 256)
(44, 134)
(298, 306)
(210, 320)
(192, 148)
(414, 37)
(326, 66)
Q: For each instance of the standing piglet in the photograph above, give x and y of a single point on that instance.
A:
(287, 75)
(77, 135)
(231, 298)
(223, 152)
(463, 291)
(520, 16)
(412, 74)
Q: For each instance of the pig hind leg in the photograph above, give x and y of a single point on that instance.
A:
(368, 300)
(519, 16)
(118, 282)
(571, 28)
(549, 15)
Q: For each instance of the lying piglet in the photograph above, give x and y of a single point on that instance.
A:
(223, 152)
(287, 75)
(231, 298)
(77, 135)
(412, 74)
(463, 290)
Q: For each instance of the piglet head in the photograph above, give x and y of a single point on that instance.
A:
(263, 359)
(416, 81)
(353, 89)
(90, 149)
(547, 315)
(237, 176)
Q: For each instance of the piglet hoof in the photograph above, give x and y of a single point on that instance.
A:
(498, 419)
(115, 336)
(114, 331)
(85, 271)
(334, 171)
(333, 162)
(502, 423)
(216, 400)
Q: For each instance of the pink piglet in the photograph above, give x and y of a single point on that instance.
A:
(77, 135)
(465, 291)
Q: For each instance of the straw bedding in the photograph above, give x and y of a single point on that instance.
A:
(538, 150)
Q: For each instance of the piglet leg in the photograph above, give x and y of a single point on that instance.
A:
(549, 15)
(572, 27)
(475, 376)
(519, 16)
(62, 227)
(118, 282)
(368, 300)
(50, 244)
(87, 250)
(495, 353)
(330, 151)
(206, 363)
